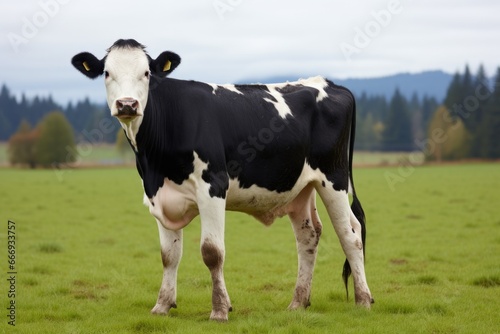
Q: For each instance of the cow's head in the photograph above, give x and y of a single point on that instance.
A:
(127, 70)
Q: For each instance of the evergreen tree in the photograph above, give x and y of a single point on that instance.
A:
(397, 134)
(490, 143)
(467, 83)
(454, 93)
(8, 118)
(365, 135)
(416, 117)
(476, 121)
(5, 125)
(56, 144)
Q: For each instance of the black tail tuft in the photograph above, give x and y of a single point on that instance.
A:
(346, 272)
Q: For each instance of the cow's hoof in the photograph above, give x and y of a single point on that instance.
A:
(219, 316)
(365, 302)
(162, 309)
(295, 305)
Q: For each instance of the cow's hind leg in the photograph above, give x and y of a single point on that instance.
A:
(307, 228)
(171, 253)
(349, 234)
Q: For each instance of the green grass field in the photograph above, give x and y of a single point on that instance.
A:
(88, 261)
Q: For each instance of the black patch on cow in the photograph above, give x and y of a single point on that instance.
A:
(126, 43)
(255, 89)
(287, 89)
(88, 64)
(219, 182)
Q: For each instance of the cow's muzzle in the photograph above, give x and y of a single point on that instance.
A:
(127, 108)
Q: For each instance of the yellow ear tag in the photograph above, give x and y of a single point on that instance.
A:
(167, 66)
(87, 68)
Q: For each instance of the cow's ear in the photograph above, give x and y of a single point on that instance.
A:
(164, 64)
(88, 64)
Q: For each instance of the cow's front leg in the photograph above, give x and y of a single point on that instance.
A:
(171, 253)
(212, 212)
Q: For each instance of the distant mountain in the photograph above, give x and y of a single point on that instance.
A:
(430, 83)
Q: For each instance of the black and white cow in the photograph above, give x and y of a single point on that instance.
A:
(264, 150)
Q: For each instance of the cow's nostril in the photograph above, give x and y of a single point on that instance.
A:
(127, 108)
(129, 104)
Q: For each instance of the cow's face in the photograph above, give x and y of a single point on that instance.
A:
(127, 70)
(126, 76)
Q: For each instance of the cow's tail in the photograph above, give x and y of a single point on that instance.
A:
(356, 207)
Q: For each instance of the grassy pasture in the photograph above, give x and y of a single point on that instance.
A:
(88, 258)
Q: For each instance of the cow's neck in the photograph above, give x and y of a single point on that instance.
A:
(162, 142)
(154, 132)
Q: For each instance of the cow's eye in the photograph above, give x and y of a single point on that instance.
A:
(146, 74)
(106, 74)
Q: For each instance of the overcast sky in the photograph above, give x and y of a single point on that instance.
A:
(224, 41)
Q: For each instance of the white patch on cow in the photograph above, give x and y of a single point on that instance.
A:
(349, 187)
(214, 87)
(318, 83)
(175, 205)
(266, 205)
(229, 87)
(279, 103)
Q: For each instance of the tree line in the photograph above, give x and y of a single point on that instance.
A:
(465, 125)
(82, 115)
